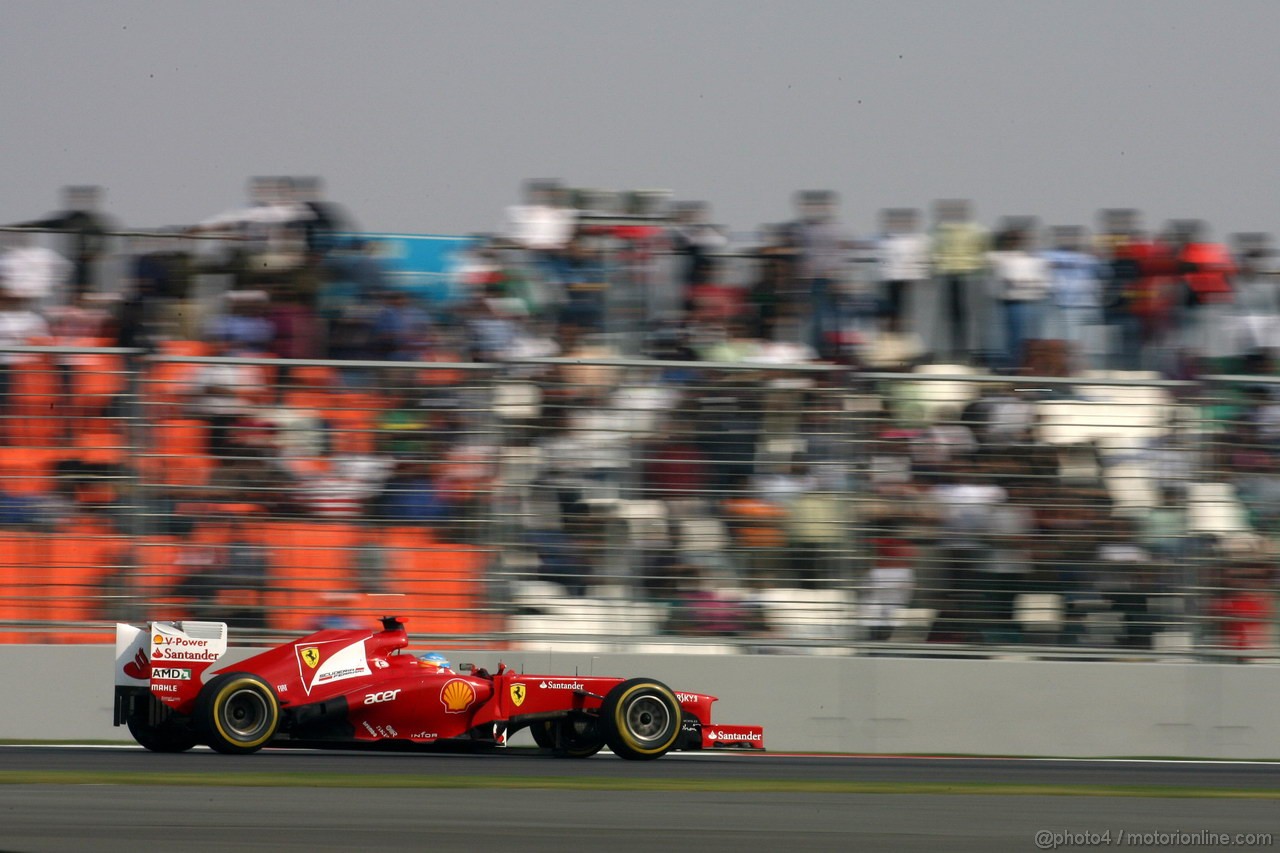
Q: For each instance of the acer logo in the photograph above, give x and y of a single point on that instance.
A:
(384, 696)
(139, 667)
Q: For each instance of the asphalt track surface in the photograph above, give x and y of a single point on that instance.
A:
(106, 817)
(513, 763)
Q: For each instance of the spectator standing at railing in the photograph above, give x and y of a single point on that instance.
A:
(33, 272)
(19, 326)
(271, 233)
(162, 288)
(544, 227)
(1257, 304)
(694, 240)
(328, 222)
(774, 304)
(1138, 287)
(821, 246)
(1075, 306)
(1204, 292)
(1021, 280)
(903, 265)
(586, 283)
(958, 247)
(85, 233)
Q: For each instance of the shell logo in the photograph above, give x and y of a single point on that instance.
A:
(457, 695)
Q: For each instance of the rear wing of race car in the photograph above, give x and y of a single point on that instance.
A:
(167, 659)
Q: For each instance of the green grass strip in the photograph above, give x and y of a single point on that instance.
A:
(336, 780)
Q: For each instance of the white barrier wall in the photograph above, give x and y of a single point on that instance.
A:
(822, 704)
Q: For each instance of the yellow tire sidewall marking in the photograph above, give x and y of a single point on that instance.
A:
(222, 696)
(619, 720)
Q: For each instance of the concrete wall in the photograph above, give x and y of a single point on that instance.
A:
(836, 704)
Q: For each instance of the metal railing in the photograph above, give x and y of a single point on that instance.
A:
(633, 504)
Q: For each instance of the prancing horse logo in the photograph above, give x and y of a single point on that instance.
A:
(311, 656)
(517, 694)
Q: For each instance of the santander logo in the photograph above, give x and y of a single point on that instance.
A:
(139, 667)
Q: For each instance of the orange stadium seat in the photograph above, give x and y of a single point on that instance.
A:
(442, 377)
(96, 378)
(179, 453)
(310, 388)
(156, 574)
(82, 559)
(100, 446)
(24, 602)
(307, 563)
(442, 583)
(353, 420)
(166, 383)
(28, 471)
(156, 556)
(34, 413)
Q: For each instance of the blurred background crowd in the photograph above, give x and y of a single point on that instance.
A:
(291, 275)
(945, 431)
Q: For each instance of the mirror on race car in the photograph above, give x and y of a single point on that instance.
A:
(466, 667)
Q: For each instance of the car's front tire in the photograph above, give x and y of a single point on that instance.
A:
(640, 719)
(237, 713)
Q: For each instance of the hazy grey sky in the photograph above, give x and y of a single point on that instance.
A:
(426, 117)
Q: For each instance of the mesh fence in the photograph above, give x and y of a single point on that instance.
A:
(634, 504)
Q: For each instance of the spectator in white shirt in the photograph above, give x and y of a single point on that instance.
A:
(1021, 281)
(18, 326)
(1257, 304)
(903, 261)
(32, 272)
(544, 226)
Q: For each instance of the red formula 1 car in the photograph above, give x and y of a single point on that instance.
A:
(353, 688)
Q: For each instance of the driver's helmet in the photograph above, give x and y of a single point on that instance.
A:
(436, 660)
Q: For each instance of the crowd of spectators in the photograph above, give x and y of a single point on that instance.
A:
(700, 417)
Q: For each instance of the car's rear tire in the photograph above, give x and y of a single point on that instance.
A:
(237, 713)
(640, 719)
(569, 737)
(155, 727)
